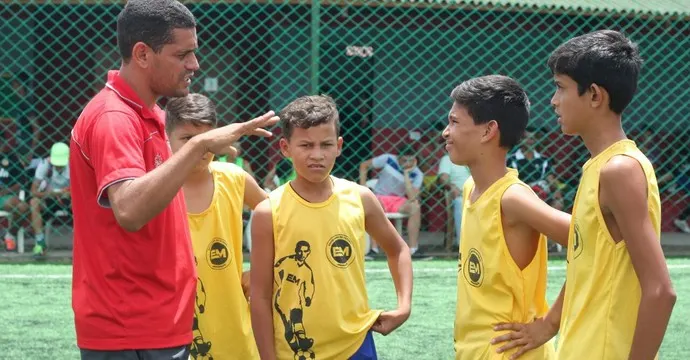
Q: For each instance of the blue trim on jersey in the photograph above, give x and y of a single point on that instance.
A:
(368, 349)
(394, 164)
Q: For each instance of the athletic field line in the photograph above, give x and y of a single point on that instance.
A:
(368, 271)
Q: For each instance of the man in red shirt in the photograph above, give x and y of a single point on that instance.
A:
(134, 279)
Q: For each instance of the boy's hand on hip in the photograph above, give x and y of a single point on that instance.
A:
(524, 336)
(389, 321)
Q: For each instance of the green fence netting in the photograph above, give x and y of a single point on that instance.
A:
(390, 65)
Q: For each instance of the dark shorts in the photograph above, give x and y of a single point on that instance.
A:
(367, 351)
(53, 205)
(175, 353)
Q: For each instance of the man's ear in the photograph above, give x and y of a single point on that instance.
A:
(142, 55)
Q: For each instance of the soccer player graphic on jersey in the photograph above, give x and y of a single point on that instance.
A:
(294, 276)
(200, 348)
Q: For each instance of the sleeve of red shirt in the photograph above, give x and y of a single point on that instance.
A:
(117, 151)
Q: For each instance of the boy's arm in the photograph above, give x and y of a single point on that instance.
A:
(399, 261)
(261, 283)
(363, 168)
(245, 284)
(253, 193)
(523, 205)
(531, 335)
(623, 191)
(268, 181)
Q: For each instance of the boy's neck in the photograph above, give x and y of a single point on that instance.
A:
(312, 192)
(603, 134)
(198, 178)
(487, 171)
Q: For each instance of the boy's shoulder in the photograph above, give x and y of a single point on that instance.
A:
(227, 169)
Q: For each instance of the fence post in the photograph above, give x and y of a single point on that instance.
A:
(315, 32)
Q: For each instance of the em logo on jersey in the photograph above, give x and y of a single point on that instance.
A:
(474, 268)
(578, 245)
(339, 251)
(218, 254)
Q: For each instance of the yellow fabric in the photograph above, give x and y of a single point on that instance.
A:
(602, 290)
(321, 307)
(222, 323)
(491, 287)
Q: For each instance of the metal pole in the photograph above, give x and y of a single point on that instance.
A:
(315, 32)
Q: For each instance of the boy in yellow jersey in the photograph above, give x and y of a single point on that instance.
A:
(502, 265)
(618, 293)
(308, 290)
(215, 193)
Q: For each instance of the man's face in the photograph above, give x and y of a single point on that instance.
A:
(572, 109)
(463, 137)
(172, 69)
(313, 151)
(182, 133)
(302, 253)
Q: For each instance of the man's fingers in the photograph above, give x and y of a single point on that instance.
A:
(230, 151)
(260, 132)
(267, 119)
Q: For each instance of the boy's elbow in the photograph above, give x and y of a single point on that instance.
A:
(663, 295)
(668, 295)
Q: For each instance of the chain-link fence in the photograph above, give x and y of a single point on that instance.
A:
(390, 65)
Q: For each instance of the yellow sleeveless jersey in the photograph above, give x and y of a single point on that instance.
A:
(222, 323)
(491, 287)
(320, 303)
(602, 292)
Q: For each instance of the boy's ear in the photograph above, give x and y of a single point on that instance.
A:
(340, 145)
(490, 131)
(284, 147)
(598, 95)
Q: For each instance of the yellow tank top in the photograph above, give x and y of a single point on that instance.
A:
(222, 324)
(491, 287)
(602, 292)
(320, 308)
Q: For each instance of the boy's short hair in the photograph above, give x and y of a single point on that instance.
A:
(151, 22)
(309, 111)
(195, 109)
(606, 58)
(407, 150)
(499, 98)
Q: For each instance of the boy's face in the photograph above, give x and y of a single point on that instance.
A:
(182, 133)
(313, 151)
(463, 137)
(407, 162)
(572, 109)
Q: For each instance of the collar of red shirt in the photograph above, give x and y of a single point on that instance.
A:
(126, 93)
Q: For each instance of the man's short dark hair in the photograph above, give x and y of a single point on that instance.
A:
(195, 109)
(151, 22)
(606, 58)
(309, 111)
(499, 98)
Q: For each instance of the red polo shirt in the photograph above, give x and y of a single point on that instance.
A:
(130, 290)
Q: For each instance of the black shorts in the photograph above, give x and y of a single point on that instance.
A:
(174, 353)
(53, 205)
